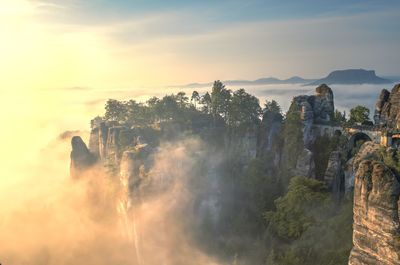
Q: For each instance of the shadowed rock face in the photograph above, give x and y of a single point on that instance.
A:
(387, 108)
(81, 157)
(334, 175)
(305, 165)
(376, 227)
(268, 133)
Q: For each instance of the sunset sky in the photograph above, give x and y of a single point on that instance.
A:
(50, 44)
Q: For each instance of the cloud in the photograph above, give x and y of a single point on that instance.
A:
(188, 44)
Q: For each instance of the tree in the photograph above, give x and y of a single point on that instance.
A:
(359, 114)
(297, 210)
(244, 110)
(272, 106)
(339, 117)
(195, 98)
(293, 135)
(182, 99)
(220, 97)
(169, 108)
(137, 113)
(206, 102)
(154, 108)
(115, 110)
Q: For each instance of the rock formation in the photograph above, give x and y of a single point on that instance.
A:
(81, 157)
(305, 165)
(315, 109)
(334, 175)
(268, 133)
(387, 108)
(376, 227)
(133, 170)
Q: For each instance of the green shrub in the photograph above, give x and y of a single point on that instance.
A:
(295, 212)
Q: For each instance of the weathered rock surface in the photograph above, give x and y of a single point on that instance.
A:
(242, 147)
(376, 227)
(315, 109)
(268, 133)
(94, 141)
(305, 165)
(349, 176)
(323, 104)
(132, 172)
(367, 150)
(81, 157)
(334, 175)
(387, 108)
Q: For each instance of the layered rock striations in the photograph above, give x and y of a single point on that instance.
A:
(376, 227)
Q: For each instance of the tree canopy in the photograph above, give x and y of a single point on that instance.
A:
(244, 109)
(272, 106)
(359, 114)
(237, 109)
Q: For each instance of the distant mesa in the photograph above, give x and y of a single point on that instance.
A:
(338, 77)
(351, 77)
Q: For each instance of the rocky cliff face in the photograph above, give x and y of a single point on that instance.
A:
(387, 108)
(376, 227)
(81, 158)
(268, 133)
(315, 109)
(334, 175)
(305, 165)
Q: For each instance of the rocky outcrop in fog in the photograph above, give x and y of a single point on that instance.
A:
(81, 158)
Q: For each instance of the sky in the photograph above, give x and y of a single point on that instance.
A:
(129, 44)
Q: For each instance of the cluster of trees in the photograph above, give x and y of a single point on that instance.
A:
(238, 109)
(358, 115)
(313, 230)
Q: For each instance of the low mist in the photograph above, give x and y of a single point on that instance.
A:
(53, 219)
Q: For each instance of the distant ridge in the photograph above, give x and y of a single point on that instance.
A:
(260, 81)
(350, 77)
(339, 77)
